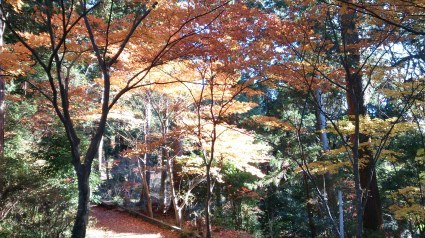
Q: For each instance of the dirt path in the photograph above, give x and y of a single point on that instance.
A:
(113, 223)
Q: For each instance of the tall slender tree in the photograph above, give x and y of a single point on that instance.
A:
(2, 88)
(369, 207)
(2, 103)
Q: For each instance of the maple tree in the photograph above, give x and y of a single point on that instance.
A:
(71, 33)
(220, 83)
(166, 139)
(216, 84)
(335, 87)
(144, 109)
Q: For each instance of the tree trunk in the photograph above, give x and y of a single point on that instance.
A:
(372, 219)
(146, 198)
(179, 215)
(177, 148)
(2, 92)
(328, 184)
(311, 224)
(148, 192)
(100, 155)
(162, 189)
(341, 215)
(143, 167)
(82, 218)
(174, 199)
(366, 183)
(207, 203)
(2, 109)
(321, 120)
(165, 154)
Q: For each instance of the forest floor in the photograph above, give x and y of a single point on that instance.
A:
(114, 223)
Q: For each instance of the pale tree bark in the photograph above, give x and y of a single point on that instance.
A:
(173, 187)
(100, 155)
(179, 202)
(143, 163)
(2, 27)
(174, 198)
(146, 198)
(208, 201)
(321, 120)
(162, 189)
(320, 127)
(328, 184)
(165, 155)
(208, 160)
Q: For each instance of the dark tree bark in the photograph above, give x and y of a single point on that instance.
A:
(311, 223)
(367, 192)
(2, 108)
(81, 221)
(58, 92)
(2, 92)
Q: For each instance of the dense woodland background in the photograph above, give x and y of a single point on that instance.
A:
(238, 115)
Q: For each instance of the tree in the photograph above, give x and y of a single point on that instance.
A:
(2, 91)
(341, 44)
(2, 101)
(70, 33)
(215, 80)
(214, 101)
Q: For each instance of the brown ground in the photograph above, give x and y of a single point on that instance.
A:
(113, 223)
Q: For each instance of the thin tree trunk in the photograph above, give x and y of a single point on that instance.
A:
(144, 171)
(100, 158)
(174, 199)
(108, 181)
(2, 109)
(367, 192)
(2, 92)
(341, 215)
(311, 224)
(321, 120)
(148, 192)
(164, 158)
(145, 194)
(162, 189)
(328, 184)
(171, 167)
(209, 160)
(207, 203)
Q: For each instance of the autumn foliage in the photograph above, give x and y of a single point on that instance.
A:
(240, 111)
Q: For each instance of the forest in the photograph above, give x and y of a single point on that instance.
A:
(225, 118)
